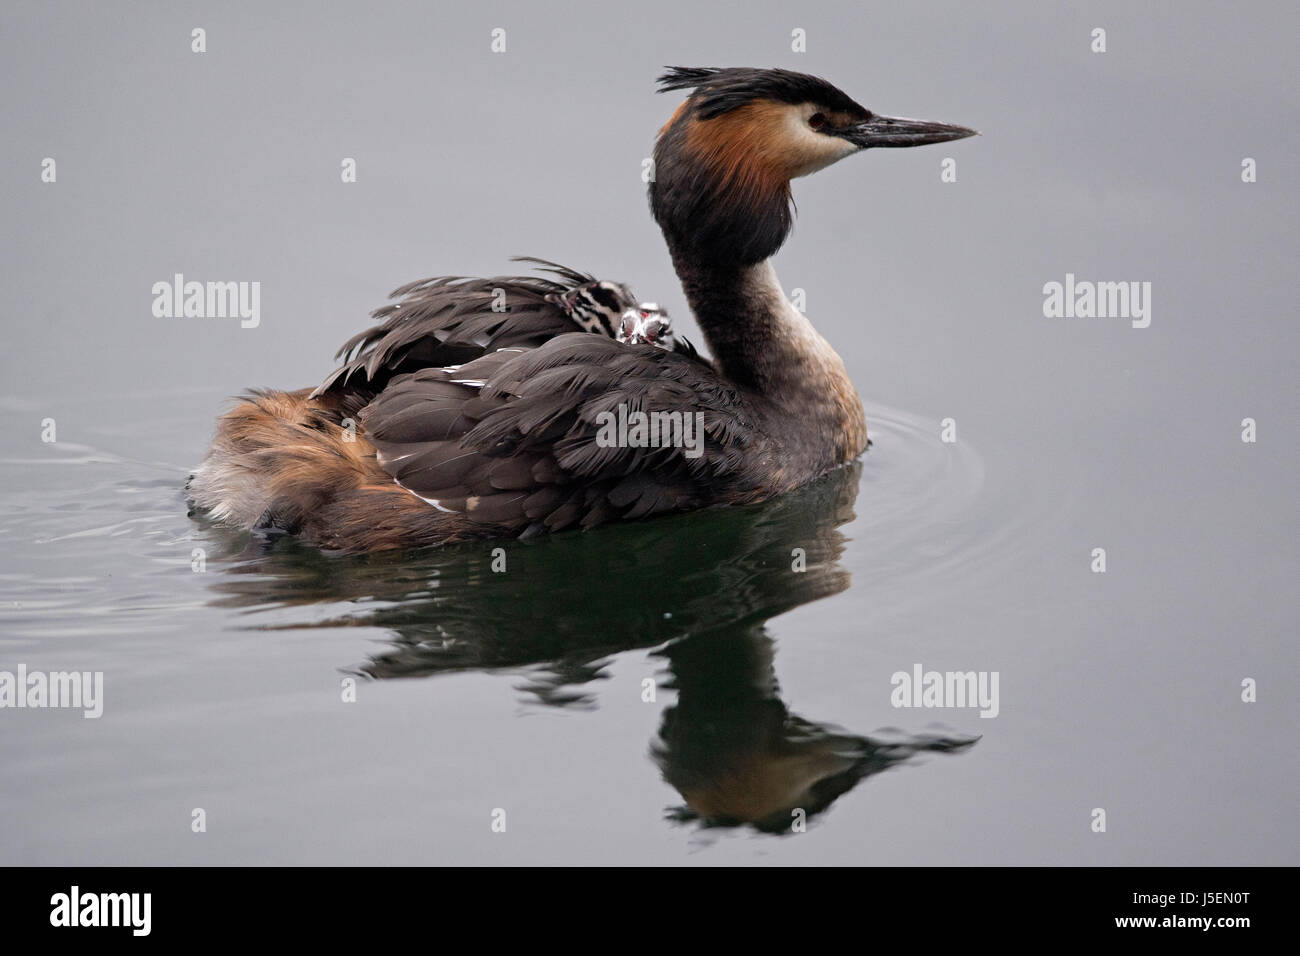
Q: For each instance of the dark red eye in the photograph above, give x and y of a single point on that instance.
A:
(645, 314)
(817, 120)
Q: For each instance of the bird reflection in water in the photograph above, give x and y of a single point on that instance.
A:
(738, 756)
(699, 587)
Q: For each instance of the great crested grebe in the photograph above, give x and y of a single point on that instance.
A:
(476, 409)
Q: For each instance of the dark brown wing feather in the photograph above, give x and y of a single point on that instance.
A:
(510, 439)
(454, 319)
(492, 416)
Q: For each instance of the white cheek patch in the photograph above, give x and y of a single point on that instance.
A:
(809, 149)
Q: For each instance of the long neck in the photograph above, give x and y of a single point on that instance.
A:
(761, 342)
(724, 211)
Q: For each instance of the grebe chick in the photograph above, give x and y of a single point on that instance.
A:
(610, 309)
(478, 408)
(596, 306)
(647, 323)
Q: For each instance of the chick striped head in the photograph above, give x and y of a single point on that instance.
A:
(610, 309)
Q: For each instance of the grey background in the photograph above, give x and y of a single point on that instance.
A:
(1118, 691)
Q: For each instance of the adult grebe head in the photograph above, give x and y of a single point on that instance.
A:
(724, 161)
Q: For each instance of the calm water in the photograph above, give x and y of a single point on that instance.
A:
(664, 692)
(524, 690)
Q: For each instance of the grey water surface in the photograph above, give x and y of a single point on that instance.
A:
(663, 692)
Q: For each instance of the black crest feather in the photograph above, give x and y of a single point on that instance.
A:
(718, 91)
